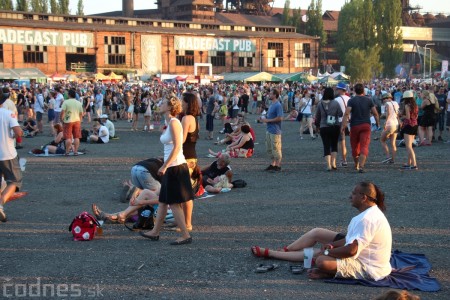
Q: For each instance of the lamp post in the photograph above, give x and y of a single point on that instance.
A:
(424, 60)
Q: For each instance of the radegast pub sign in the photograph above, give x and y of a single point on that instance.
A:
(214, 44)
(46, 38)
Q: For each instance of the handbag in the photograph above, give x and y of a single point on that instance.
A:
(300, 113)
(331, 120)
(145, 219)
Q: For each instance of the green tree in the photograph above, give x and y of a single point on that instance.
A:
(296, 19)
(314, 26)
(365, 64)
(357, 39)
(39, 6)
(286, 18)
(22, 5)
(64, 7)
(80, 8)
(388, 20)
(54, 7)
(6, 5)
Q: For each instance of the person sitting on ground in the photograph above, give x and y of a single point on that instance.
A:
(57, 146)
(241, 147)
(217, 168)
(363, 253)
(235, 135)
(30, 128)
(108, 124)
(100, 135)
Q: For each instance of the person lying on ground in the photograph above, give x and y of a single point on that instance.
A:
(57, 146)
(242, 147)
(220, 182)
(292, 116)
(363, 253)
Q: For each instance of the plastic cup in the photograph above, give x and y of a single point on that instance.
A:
(308, 254)
(22, 163)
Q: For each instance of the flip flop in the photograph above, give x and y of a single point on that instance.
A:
(260, 252)
(296, 269)
(262, 268)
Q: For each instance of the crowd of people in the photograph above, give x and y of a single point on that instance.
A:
(413, 114)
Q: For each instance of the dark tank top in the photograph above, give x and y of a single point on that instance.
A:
(191, 141)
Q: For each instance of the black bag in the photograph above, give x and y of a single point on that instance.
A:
(143, 108)
(299, 117)
(239, 183)
(145, 219)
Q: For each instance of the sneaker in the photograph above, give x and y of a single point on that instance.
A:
(269, 168)
(2, 216)
(344, 164)
(19, 147)
(387, 160)
(225, 190)
(361, 170)
(276, 168)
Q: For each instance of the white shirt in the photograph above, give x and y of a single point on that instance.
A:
(392, 107)
(39, 105)
(306, 105)
(8, 120)
(342, 100)
(111, 128)
(58, 102)
(372, 232)
(167, 140)
(103, 133)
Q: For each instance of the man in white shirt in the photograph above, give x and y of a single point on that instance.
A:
(342, 99)
(58, 104)
(108, 124)
(39, 108)
(9, 162)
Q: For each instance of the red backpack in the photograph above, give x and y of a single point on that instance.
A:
(84, 227)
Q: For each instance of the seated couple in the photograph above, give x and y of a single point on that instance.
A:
(145, 186)
(242, 146)
(363, 253)
(218, 175)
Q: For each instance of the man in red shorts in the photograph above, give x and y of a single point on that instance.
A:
(71, 115)
(360, 107)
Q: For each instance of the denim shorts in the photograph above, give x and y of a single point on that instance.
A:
(141, 178)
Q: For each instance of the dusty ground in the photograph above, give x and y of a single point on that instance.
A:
(274, 209)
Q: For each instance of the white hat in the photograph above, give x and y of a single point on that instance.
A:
(104, 116)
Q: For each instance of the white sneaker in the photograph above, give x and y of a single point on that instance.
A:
(2, 216)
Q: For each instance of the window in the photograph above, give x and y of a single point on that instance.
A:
(77, 50)
(185, 58)
(1, 53)
(34, 54)
(302, 55)
(217, 58)
(275, 55)
(115, 50)
(246, 59)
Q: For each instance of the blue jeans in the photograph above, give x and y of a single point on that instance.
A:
(141, 178)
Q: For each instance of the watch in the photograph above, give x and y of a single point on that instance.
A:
(326, 252)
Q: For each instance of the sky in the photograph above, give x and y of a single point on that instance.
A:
(98, 6)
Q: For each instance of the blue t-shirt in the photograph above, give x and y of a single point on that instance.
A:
(398, 97)
(275, 110)
(361, 107)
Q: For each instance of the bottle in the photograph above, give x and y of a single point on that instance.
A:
(46, 151)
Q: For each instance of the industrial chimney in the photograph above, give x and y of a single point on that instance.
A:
(128, 8)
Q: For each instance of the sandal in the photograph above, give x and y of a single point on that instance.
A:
(114, 218)
(99, 215)
(256, 251)
(266, 268)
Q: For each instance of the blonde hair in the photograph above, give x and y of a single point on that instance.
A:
(174, 105)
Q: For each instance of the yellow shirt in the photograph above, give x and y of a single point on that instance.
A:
(72, 109)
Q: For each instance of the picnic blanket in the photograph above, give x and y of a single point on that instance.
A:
(410, 272)
(53, 155)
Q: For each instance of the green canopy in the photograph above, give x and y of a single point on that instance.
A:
(8, 74)
(250, 77)
(300, 76)
(328, 80)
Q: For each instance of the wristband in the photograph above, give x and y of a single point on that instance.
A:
(329, 246)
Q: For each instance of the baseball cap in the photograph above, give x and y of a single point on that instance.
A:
(104, 116)
(387, 95)
(341, 86)
(408, 94)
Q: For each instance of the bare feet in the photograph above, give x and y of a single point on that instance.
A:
(317, 274)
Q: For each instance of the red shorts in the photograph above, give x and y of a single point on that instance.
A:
(72, 130)
(360, 139)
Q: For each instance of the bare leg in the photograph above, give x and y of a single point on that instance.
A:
(68, 143)
(362, 161)
(393, 138)
(333, 159)
(343, 149)
(383, 143)
(188, 207)
(328, 161)
(411, 155)
(180, 219)
(76, 144)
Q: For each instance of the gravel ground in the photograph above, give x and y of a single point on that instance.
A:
(39, 256)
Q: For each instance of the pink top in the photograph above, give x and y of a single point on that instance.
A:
(412, 121)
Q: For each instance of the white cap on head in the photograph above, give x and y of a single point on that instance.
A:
(104, 116)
